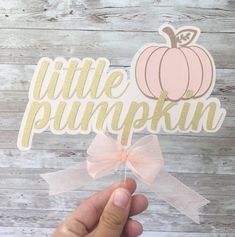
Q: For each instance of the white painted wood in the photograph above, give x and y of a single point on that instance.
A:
(170, 143)
(45, 232)
(189, 234)
(27, 46)
(151, 221)
(206, 184)
(116, 30)
(61, 159)
(117, 15)
(28, 199)
(24, 232)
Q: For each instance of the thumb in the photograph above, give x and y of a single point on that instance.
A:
(115, 214)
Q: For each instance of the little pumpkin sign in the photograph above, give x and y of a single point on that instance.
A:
(168, 89)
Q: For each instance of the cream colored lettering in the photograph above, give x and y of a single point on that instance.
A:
(53, 82)
(80, 97)
(37, 118)
(212, 121)
(162, 112)
(132, 122)
(113, 82)
(67, 91)
(37, 86)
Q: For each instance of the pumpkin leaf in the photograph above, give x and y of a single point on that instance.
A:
(186, 36)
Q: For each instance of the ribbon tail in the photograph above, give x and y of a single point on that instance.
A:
(178, 195)
(67, 180)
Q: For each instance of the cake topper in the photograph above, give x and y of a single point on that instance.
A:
(168, 89)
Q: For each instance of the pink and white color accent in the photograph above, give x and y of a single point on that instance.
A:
(181, 68)
(144, 159)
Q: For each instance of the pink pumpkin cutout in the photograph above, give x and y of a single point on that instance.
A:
(183, 70)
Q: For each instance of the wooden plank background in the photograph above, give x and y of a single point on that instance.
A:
(31, 29)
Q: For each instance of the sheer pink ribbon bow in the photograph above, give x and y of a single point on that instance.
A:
(144, 159)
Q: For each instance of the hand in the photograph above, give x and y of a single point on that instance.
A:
(106, 214)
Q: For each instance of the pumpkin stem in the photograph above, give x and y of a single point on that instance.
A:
(171, 34)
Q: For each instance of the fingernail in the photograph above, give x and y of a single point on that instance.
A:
(121, 198)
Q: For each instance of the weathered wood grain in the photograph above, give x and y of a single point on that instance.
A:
(223, 4)
(26, 46)
(173, 223)
(56, 208)
(59, 206)
(152, 221)
(124, 16)
(169, 143)
(116, 30)
(206, 184)
(25, 232)
(61, 159)
(45, 232)
(188, 234)
(39, 200)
